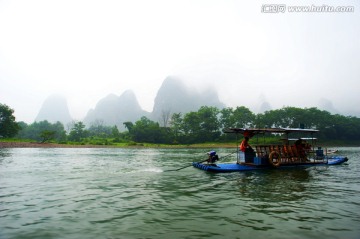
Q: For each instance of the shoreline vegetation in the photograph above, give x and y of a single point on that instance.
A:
(123, 145)
(19, 144)
(204, 128)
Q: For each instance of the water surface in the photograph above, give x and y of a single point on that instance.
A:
(127, 193)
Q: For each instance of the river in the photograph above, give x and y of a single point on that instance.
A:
(127, 193)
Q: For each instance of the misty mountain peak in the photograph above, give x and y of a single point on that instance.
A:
(54, 108)
(172, 82)
(327, 105)
(106, 99)
(128, 98)
(115, 110)
(128, 94)
(175, 97)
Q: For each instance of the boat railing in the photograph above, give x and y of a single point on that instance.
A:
(288, 153)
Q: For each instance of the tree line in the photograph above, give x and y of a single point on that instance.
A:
(205, 125)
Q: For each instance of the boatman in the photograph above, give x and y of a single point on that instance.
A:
(245, 144)
(246, 148)
(212, 157)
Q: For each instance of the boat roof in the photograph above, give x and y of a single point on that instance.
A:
(302, 138)
(253, 131)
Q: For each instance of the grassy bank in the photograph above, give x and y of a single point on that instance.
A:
(21, 143)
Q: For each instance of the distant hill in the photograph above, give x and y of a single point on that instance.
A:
(327, 105)
(175, 97)
(115, 110)
(172, 97)
(54, 109)
(264, 106)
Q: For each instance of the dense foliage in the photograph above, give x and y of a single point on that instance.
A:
(205, 125)
(42, 131)
(8, 126)
(208, 124)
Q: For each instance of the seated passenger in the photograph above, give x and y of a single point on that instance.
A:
(300, 147)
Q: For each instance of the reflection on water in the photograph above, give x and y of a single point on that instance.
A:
(275, 185)
(127, 193)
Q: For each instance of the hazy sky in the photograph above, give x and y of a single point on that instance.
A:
(86, 50)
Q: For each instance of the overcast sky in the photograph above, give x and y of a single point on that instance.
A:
(86, 50)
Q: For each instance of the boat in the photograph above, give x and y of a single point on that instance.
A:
(301, 153)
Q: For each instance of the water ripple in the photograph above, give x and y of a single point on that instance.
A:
(125, 193)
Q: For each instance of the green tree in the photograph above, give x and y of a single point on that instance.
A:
(201, 126)
(175, 125)
(115, 132)
(191, 127)
(8, 126)
(22, 126)
(209, 124)
(331, 127)
(47, 135)
(78, 132)
(344, 128)
(241, 117)
(98, 129)
(146, 130)
(286, 117)
(36, 131)
(226, 118)
(129, 125)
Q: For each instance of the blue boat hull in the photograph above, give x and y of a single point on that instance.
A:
(335, 160)
(234, 167)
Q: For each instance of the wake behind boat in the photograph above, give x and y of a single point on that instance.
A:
(268, 156)
(332, 151)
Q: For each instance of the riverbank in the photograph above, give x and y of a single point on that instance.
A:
(45, 145)
(132, 145)
(17, 144)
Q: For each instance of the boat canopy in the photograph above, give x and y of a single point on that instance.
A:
(249, 132)
(302, 138)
